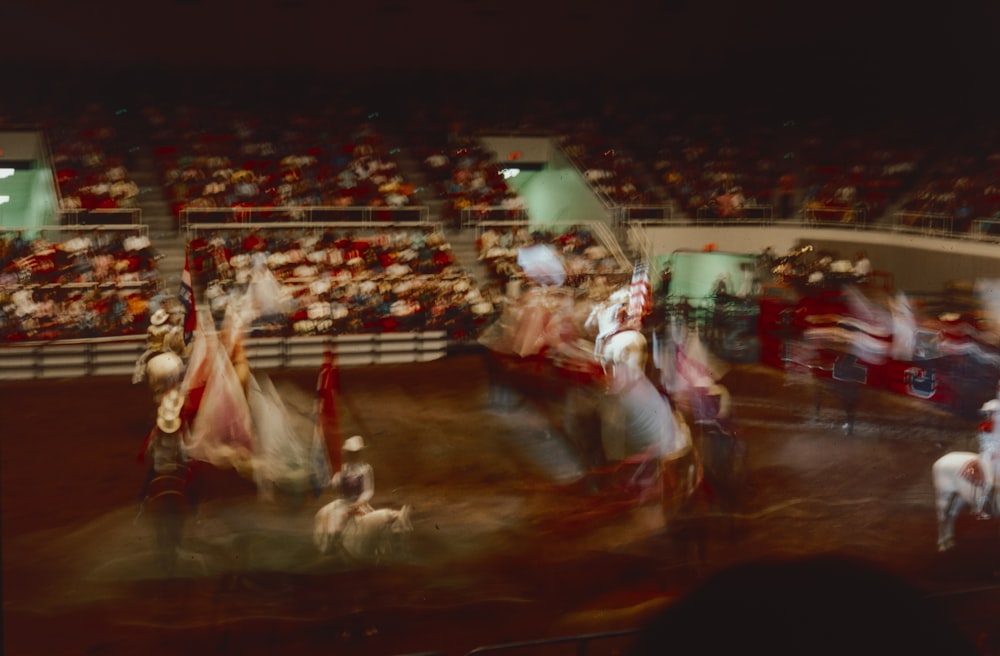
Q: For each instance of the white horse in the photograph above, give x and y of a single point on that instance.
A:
(958, 484)
(371, 536)
(616, 344)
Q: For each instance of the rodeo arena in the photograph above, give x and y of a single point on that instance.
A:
(449, 378)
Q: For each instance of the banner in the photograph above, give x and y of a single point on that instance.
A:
(186, 297)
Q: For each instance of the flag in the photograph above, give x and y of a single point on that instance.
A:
(640, 301)
(542, 264)
(186, 296)
(325, 456)
(319, 459)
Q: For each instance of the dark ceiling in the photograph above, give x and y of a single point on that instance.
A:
(777, 47)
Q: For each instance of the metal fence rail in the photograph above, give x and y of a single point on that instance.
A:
(110, 356)
(122, 216)
(293, 214)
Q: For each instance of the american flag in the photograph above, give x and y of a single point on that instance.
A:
(326, 441)
(186, 297)
(640, 301)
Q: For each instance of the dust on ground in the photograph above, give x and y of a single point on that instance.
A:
(511, 539)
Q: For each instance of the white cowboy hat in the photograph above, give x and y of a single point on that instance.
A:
(159, 317)
(354, 444)
(990, 406)
(167, 423)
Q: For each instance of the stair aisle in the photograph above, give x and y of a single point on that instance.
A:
(156, 214)
(463, 245)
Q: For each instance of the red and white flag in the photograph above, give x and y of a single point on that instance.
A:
(640, 302)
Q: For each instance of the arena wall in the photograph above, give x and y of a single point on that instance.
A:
(918, 263)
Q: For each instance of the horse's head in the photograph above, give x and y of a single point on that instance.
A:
(401, 521)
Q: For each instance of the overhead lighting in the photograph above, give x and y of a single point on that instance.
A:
(4, 199)
(6, 173)
(509, 173)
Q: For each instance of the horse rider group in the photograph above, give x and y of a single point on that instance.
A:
(164, 448)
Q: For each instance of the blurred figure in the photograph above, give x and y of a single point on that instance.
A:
(164, 451)
(904, 328)
(816, 605)
(862, 266)
(848, 378)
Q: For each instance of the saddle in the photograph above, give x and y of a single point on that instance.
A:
(973, 473)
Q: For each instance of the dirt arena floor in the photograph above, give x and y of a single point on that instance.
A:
(510, 543)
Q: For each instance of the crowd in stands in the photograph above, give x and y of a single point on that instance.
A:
(89, 157)
(468, 177)
(635, 147)
(91, 283)
(856, 177)
(229, 159)
(959, 188)
(708, 165)
(308, 281)
(586, 263)
(703, 163)
(610, 172)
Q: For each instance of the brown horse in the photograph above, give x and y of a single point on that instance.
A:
(168, 505)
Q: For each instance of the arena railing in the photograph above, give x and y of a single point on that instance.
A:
(609, 241)
(749, 214)
(986, 229)
(925, 223)
(646, 213)
(369, 214)
(116, 356)
(137, 228)
(101, 217)
(844, 217)
(473, 216)
(603, 196)
(318, 226)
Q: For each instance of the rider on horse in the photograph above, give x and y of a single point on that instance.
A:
(164, 335)
(356, 483)
(989, 454)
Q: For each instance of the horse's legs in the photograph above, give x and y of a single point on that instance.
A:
(325, 530)
(320, 534)
(949, 504)
(168, 538)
